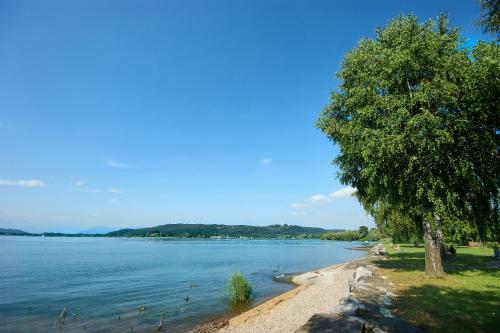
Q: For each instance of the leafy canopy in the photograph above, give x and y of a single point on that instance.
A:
(399, 118)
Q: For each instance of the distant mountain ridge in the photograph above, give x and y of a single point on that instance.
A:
(222, 230)
(13, 232)
(181, 230)
(101, 230)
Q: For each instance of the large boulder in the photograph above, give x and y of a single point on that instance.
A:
(348, 306)
(362, 272)
(378, 250)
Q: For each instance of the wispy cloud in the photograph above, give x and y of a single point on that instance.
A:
(319, 198)
(298, 205)
(80, 183)
(23, 182)
(266, 160)
(343, 193)
(118, 165)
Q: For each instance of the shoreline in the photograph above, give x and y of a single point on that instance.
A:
(314, 291)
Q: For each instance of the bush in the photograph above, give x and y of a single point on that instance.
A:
(239, 289)
(349, 235)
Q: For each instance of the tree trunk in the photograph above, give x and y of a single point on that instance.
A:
(440, 240)
(433, 264)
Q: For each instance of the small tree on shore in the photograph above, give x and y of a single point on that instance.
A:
(363, 232)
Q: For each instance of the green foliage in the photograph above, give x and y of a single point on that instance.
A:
(416, 119)
(239, 289)
(374, 235)
(490, 16)
(394, 115)
(348, 235)
(354, 235)
(458, 231)
(363, 232)
(220, 230)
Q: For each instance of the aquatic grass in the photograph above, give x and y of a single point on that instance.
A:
(239, 289)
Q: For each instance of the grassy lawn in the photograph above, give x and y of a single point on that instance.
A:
(466, 300)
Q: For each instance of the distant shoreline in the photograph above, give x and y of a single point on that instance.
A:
(52, 235)
(214, 231)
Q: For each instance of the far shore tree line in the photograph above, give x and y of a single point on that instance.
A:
(363, 234)
(416, 118)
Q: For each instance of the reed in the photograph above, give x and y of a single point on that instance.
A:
(239, 289)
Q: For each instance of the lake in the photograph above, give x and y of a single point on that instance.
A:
(104, 281)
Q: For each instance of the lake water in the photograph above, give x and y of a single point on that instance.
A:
(104, 281)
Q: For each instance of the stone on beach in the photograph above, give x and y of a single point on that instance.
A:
(362, 272)
(347, 306)
(378, 250)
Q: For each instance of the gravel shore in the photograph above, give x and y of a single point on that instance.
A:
(318, 292)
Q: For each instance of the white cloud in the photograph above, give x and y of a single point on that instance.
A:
(80, 183)
(118, 165)
(298, 205)
(299, 213)
(115, 190)
(343, 193)
(267, 160)
(23, 182)
(320, 198)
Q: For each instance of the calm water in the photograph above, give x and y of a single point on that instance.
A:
(103, 281)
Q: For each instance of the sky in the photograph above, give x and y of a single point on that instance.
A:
(139, 113)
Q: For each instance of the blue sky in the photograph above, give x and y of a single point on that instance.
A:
(139, 113)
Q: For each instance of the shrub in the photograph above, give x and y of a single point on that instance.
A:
(348, 235)
(239, 289)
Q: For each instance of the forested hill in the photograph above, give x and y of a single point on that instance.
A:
(214, 230)
(13, 232)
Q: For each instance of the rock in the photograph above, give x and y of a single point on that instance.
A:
(378, 250)
(362, 272)
(348, 306)
(385, 312)
(386, 300)
(378, 330)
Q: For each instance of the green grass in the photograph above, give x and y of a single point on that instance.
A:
(239, 289)
(466, 300)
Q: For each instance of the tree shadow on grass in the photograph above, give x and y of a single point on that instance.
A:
(415, 261)
(445, 309)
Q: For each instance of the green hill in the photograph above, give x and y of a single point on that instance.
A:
(221, 230)
(13, 232)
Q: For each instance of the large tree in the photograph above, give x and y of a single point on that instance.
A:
(399, 120)
(490, 16)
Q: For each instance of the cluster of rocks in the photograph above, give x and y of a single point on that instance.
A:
(367, 308)
(378, 250)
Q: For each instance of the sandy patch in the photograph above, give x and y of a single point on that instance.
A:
(318, 292)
